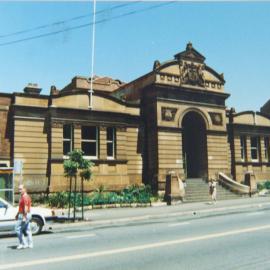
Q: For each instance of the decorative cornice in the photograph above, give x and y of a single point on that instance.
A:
(170, 129)
(96, 162)
(240, 129)
(175, 101)
(254, 163)
(189, 95)
(216, 132)
(110, 161)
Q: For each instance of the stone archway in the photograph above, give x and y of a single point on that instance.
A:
(194, 145)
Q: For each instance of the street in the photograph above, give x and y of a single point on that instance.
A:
(234, 241)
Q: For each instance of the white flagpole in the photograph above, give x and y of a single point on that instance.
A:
(93, 56)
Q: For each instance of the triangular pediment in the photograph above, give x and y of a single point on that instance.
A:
(190, 54)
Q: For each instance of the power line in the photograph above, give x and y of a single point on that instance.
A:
(85, 25)
(64, 21)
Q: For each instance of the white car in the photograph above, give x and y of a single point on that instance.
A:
(40, 218)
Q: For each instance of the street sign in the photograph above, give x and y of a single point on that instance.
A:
(18, 166)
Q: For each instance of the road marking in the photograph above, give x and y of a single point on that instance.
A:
(256, 214)
(178, 224)
(130, 249)
(81, 236)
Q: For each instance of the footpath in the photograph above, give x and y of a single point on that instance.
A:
(183, 211)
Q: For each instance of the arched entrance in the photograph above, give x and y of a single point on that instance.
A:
(194, 145)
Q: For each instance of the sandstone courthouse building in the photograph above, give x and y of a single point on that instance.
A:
(173, 118)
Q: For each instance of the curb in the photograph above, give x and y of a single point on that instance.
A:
(110, 206)
(189, 213)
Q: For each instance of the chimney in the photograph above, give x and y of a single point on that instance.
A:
(32, 89)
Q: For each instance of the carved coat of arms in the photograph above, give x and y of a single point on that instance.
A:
(191, 73)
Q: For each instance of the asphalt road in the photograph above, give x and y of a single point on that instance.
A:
(236, 241)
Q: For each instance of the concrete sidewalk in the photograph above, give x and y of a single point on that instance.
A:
(184, 210)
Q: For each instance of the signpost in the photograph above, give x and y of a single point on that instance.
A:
(18, 167)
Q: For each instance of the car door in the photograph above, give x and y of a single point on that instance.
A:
(7, 217)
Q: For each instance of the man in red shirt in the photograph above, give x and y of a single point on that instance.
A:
(23, 220)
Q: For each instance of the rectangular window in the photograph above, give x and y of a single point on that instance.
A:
(266, 148)
(67, 139)
(243, 148)
(89, 141)
(111, 135)
(254, 148)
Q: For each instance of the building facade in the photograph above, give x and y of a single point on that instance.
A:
(173, 118)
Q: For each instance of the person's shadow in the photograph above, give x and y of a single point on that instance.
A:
(12, 247)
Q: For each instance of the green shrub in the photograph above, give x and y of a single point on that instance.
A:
(136, 194)
(112, 197)
(96, 198)
(58, 199)
(38, 199)
(130, 194)
(260, 186)
(267, 184)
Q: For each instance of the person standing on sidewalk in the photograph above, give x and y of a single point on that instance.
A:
(23, 217)
(213, 190)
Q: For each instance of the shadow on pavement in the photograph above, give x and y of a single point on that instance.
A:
(12, 247)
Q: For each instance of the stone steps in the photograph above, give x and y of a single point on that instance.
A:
(197, 190)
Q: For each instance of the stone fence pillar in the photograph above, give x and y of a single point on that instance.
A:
(251, 182)
(174, 189)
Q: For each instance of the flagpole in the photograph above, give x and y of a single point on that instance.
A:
(92, 57)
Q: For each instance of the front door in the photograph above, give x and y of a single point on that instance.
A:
(194, 145)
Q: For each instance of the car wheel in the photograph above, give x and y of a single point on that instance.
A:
(36, 225)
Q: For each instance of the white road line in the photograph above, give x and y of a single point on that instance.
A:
(256, 214)
(80, 236)
(130, 249)
(178, 224)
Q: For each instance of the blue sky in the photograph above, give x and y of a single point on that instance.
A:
(234, 38)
